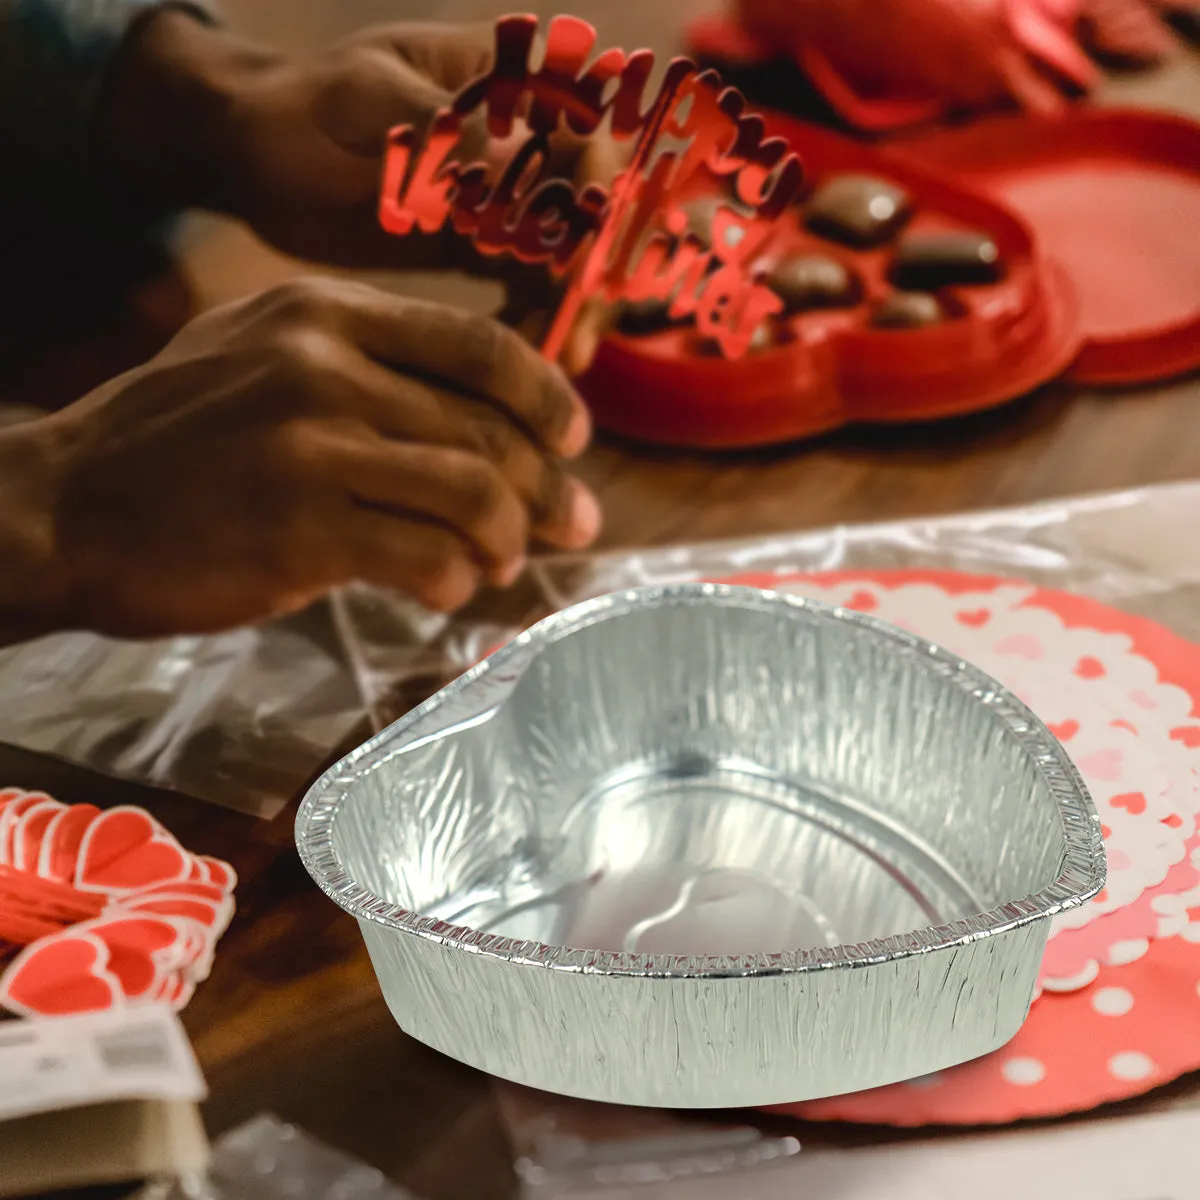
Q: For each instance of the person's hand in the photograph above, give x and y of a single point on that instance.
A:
(320, 433)
(294, 145)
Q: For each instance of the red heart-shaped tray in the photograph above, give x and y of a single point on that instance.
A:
(832, 367)
(1092, 210)
(1114, 196)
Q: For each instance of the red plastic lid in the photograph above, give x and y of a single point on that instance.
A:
(1038, 29)
(1113, 197)
(727, 41)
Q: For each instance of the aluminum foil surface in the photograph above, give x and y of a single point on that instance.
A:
(699, 846)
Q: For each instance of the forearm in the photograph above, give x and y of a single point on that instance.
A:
(170, 110)
(33, 586)
(107, 107)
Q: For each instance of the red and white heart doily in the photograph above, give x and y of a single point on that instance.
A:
(102, 909)
(1120, 1010)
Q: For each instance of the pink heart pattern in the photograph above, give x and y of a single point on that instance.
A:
(1021, 645)
(1102, 696)
(1120, 974)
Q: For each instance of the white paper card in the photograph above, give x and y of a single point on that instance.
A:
(54, 1063)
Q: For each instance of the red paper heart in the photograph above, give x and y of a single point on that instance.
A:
(60, 846)
(221, 873)
(13, 811)
(1090, 668)
(1189, 735)
(1133, 802)
(975, 618)
(63, 974)
(185, 887)
(29, 832)
(20, 928)
(1064, 730)
(175, 990)
(126, 850)
(206, 912)
(134, 943)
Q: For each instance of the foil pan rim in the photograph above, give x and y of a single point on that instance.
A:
(1081, 878)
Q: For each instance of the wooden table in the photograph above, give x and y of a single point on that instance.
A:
(291, 1019)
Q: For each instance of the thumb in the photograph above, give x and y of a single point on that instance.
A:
(376, 92)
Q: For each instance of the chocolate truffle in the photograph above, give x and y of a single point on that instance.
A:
(640, 317)
(701, 213)
(907, 310)
(858, 210)
(934, 260)
(813, 281)
(763, 338)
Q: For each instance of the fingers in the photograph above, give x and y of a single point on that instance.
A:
(415, 557)
(450, 487)
(561, 511)
(584, 338)
(410, 441)
(451, 55)
(368, 93)
(601, 158)
(491, 505)
(469, 354)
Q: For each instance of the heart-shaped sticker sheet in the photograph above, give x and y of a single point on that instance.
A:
(101, 909)
(1119, 1012)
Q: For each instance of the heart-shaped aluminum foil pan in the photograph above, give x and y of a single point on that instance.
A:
(701, 846)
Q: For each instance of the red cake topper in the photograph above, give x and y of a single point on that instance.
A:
(627, 243)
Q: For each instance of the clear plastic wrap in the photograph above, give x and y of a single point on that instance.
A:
(267, 1159)
(1137, 550)
(247, 718)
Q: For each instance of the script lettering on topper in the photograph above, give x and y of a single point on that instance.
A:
(624, 243)
(695, 123)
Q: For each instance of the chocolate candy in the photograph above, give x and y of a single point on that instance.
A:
(640, 317)
(813, 281)
(701, 213)
(763, 338)
(908, 310)
(858, 210)
(934, 260)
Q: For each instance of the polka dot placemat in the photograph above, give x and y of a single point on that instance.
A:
(1120, 1009)
(1135, 1027)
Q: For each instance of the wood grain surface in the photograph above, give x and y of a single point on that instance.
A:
(291, 1019)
